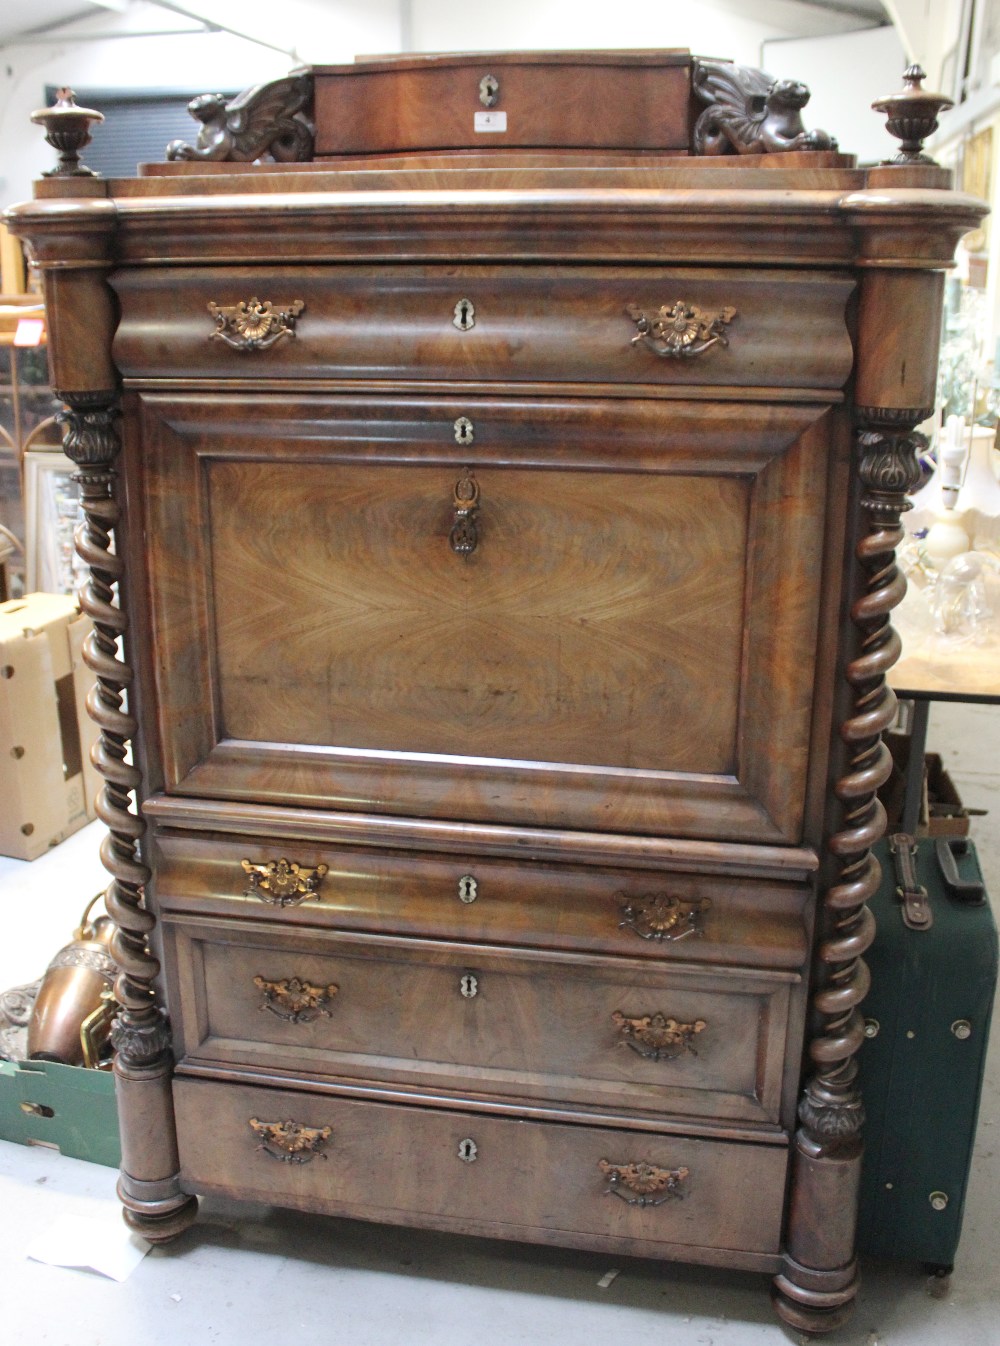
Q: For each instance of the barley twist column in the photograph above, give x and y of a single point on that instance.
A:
(148, 1186)
(817, 1287)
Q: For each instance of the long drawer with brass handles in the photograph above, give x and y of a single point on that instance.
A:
(641, 913)
(611, 1035)
(589, 1187)
(682, 326)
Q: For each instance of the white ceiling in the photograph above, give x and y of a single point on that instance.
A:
(31, 19)
(19, 17)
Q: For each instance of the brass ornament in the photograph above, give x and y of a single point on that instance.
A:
(464, 535)
(282, 883)
(72, 992)
(95, 1032)
(647, 1184)
(253, 324)
(660, 916)
(680, 330)
(290, 1141)
(657, 1037)
(294, 1000)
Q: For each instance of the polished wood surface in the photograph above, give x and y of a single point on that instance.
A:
(570, 325)
(573, 907)
(438, 675)
(456, 1018)
(540, 1181)
(628, 102)
(506, 538)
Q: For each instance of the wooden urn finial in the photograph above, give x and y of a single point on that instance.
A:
(911, 116)
(67, 129)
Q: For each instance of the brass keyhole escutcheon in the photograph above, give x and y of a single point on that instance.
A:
(468, 1151)
(489, 91)
(467, 888)
(469, 985)
(465, 431)
(465, 315)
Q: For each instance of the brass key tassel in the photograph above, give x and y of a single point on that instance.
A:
(464, 536)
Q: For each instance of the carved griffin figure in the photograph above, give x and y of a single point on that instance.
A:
(270, 120)
(748, 112)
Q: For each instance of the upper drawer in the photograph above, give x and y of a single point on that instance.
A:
(683, 327)
(658, 914)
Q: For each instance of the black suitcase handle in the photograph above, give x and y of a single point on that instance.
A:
(971, 892)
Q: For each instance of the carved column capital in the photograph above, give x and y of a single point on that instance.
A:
(90, 428)
(141, 1044)
(832, 1111)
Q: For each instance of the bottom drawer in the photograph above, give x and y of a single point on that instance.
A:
(591, 1187)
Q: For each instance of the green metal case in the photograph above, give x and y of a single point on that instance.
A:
(927, 1021)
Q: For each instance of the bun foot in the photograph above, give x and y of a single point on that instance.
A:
(160, 1221)
(815, 1301)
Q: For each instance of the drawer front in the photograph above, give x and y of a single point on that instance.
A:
(596, 615)
(600, 1033)
(498, 102)
(778, 329)
(651, 914)
(443, 1169)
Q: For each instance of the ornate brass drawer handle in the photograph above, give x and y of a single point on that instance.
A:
(656, 1037)
(648, 1185)
(464, 536)
(282, 883)
(252, 324)
(680, 331)
(291, 1142)
(297, 1001)
(659, 916)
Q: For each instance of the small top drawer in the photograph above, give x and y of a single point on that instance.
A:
(682, 327)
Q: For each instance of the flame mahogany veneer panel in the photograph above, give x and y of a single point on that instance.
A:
(631, 645)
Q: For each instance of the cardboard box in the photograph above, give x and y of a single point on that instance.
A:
(48, 785)
(65, 1108)
(942, 812)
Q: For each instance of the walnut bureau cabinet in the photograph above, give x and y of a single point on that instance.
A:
(496, 489)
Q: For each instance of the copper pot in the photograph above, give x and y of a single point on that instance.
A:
(74, 992)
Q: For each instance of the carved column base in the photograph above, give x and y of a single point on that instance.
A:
(817, 1286)
(157, 1221)
(149, 1184)
(815, 1301)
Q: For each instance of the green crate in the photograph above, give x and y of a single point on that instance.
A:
(66, 1108)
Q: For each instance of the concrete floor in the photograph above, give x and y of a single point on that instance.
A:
(251, 1274)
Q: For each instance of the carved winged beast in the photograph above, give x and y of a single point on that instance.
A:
(748, 112)
(270, 119)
